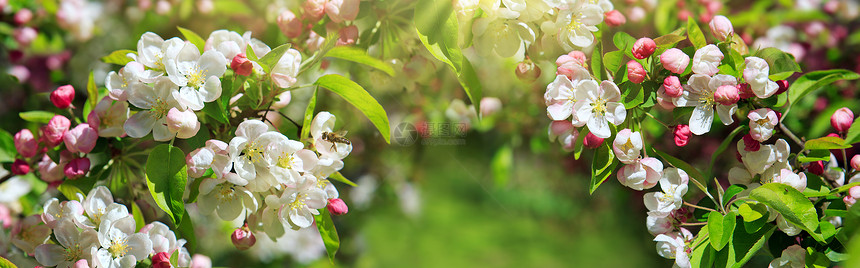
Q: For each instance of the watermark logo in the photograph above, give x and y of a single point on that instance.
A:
(404, 134)
(444, 133)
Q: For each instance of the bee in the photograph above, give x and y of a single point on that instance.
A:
(335, 138)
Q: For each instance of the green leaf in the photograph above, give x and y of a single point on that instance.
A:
(41, 117)
(138, 216)
(815, 259)
(731, 191)
(602, 166)
(186, 230)
(119, 57)
(166, 177)
(743, 246)
(501, 165)
(721, 228)
(632, 94)
(309, 115)
(752, 211)
(358, 97)
(825, 143)
(613, 61)
(578, 147)
(250, 54)
(669, 40)
(214, 110)
(358, 55)
(92, 92)
(789, 202)
(703, 254)
(329, 234)
(693, 172)
(853, 135)
(814, 80)
(814, 155)
(7, 147)
(695, 34)
(271, 59)
(778, 60)
(192, 37)
(597, 61)
(339, 177)
(4, 263)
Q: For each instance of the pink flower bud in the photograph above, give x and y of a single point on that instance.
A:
(842, 119)
(673, 87)
(816, 168)
(242, 65)
(750, 144)
(528, 71)
(53, 132)
(745, 91)
(243, 238)
(682, 135)
(727, 95)
(314, 9)
(77, 168)
(50, 172)
(614, 18)
(26, 144)
(592, 141)
(201, 261)
(675, 60)
(783, 86)
(348, 35)
(855, 162)
(559, 127)
(336, 206)
(342, 10)
(23, 16)
(63, 96)
(161, 260)
(852, 196)
(684, 15)
(644, 47)
(82, 263)
(81, 139)
(20, 167)
(567, 63)
(183, 123)
(490, 105)
(25, 35)
(290, 25)
(635, 72)
(721, 27)
(833, 135)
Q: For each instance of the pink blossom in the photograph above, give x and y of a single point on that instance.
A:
(682, 135)
(675, 60)
(289, 24)
(183, 123)
(816, 168)
(25, 35)
(336, 206)
(23, 16)
(242, 65)
(77, 168)
(347, 36)
(161, 260)
(20, 167)
(314, 9)
(592, 141)
(26, 143)
(673, 87)
(842, 119)
(201, 261)
(81, 139)
(721, 27)
(569, 62)
(51, 172)
(614, 18)
(342, 10)
(243, 238)
(745, 91)
(750, 144)
(855, 162)
(53, 132)
(63, 96)
(727, 95)
(635, 72)
(644, 47)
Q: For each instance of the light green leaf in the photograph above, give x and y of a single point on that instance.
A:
(7, 147)
(309, 115)
(853, 135)
(358, 97)
(815, 80)
(695, 34)
(138, 216)
(271, 59)
(339, 177)
(192, 37)
(329, 234)
(721, 228)
(825, 143)
(501, 165)
(358, 55)
(214, 111)
(41, 117)
(92, 92)
(703, 254)
(597, 61)
(613, 61)
(814, 155)
(752, 211)
(4, 263)
(743, 246)
(119, 57)
(731, 191)
(789, 202)
(186, 230)
(778, 60)
(166, 176)
(669, 40)
(602, 166)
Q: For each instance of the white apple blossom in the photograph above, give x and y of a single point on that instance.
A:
(120, 245)
(118, 84)
(183, 123)
(229, 43)
(756, 74)
(531, 10)
(287, 158)
(214, 155)
(641, 174)
(758, 162)
(300, 203)
(786, 227)
(674, 246)
(74, 245)
(560, 95)
(16, 187)
(249, 153)
(197, 76)
(153, 52)
(598, 106)
(659, 225)
(674, 186)
(55, 211)
(30, 233)
(706, 60)
(762, 122)
(108, 117)
(99, 207)
(324, 122)
(229, 201)
(163, 239)
(739, 175)
(700, 94)
(791, 257)
(285, 72)
(506, 36)
(627, 146)
(156, 102)
(796, 181)
(575, 23)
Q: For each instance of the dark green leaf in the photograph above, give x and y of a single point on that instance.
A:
(790, 203)
(814, 80)
(41, 117)
(118, 57)
(743, 246)
(602, 166)
(166, 178)
(357, 55)
(186, 230)
(192, 37)
(597, 61)
(358, 97)
(329, 234)
(721, 228)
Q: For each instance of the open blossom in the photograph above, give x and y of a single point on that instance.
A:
(153, 52)
(55, 211)
(706, 60)
(342, 10)
(674, 186)
(50, 172)
(598, 106)
(324, 122)
(285, 71)
(30, 233)
(674, 246)
(641, 174)
(674, 60)
(560, 95)
(505, 36)
(120, 245)
(81, 139)
(700, 94)
(118, 84)
(156, 102)
(227, 200)
(627, 145)
(196, 75)
(74, 245)
(249, 152)
(228, 43)
(99, 207)
(26, 143)
(762, 122)
(300, 203)
(756, 75)
(796, 181)
(108, 117)
(576, 22)
(214, 155)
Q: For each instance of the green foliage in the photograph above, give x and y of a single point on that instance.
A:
(92, 92)
(358, 55)
(825, 143)
(166, 177)
(339, 177)
(728, 141)
(186, 230)
(678, 163)
(271, 59)
(694, 33)
(779, 61)
(743, 246)
(360, 99)
(790, 203)
(309, 115)
(731, 191)
(602, 166)
(4, 263)
(597, 61)
(329, 234)
(812, 81)
(721, 228)
(41, 117)
(118, 57)
(139, 221)
(7, 146)
(501, 165)
(192, 37)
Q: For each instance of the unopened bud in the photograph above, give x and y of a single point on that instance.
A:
(721, 27)
(816, 168)
(26, 143)
(336, 206)
(243, 238)
(635, 72)
(672, 86)
(242, 65)
(183, 123)
(644, 47)
(614, 18)
(63, 96)
(783, 86)
(675, 60)
(592, 141)
(20, 167)
(855, 162)
(528, 71)
(745, 91)
(727, 95)
(77, 168)
(161, 260)
(682, 135)
(750, 144)
(842, 119)
(81, 139)
(289, 24)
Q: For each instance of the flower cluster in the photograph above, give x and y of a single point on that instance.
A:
(269, 181)
(93, 231)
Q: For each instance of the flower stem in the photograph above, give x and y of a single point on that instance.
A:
(658, 120)
(698, 207)
(790, 134)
